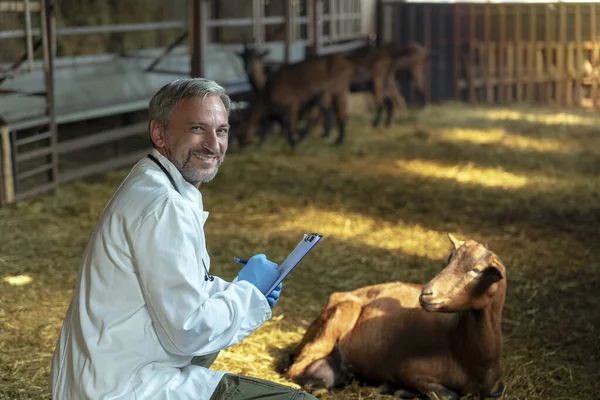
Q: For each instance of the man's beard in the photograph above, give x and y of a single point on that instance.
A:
(181, 160)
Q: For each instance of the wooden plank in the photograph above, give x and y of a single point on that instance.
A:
(519, 56)
(594, 59)
(412, 33)
(531, 55)
(7, 165)
(427, 43)
(441, 44)
(487, 27)
(547, 86)
(501, 53)
(470, 67)
(563, 92)
(457, 18)
(579, 53)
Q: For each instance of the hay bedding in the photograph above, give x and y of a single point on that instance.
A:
(525, 181)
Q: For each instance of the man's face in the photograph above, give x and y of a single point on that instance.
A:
(196, 139)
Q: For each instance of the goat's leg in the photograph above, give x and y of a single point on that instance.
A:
(425, 385)
(292, 125)
(340, 113)
(333, 324)
(378, 94)
(396, 98)
(325, 106)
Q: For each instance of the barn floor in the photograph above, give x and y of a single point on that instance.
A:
(526, 181)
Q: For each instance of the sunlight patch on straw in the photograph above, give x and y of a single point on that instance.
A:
(358, 228)
(18, 280)
(558, 118)
(472, 174)
(506, 139)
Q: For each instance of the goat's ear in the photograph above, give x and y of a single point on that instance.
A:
(455, 242)
(493, 273)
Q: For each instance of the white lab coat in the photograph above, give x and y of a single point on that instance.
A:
(142, 309)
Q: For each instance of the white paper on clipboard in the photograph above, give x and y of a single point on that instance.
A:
(302, 248)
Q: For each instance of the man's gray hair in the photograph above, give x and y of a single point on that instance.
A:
(165, 100)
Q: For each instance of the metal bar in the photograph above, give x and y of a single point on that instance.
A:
(96, 29)
(103, 166)
(32, 139)
(36, 190)
(342, 47)
(30, 155)
(7, 167)
(34, 171)
(50, 99)
(28, 34)
(19, 6)
(177, 41)
(199, 16)
(288, 33)
(101, 138)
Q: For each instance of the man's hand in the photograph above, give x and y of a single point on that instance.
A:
(273, 297)
(260, 272)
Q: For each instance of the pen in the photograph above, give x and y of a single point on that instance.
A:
(239, 260)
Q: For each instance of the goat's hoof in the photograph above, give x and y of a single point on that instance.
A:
(499, 391)
(405, 394)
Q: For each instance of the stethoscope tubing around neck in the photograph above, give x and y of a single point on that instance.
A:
(207, 276)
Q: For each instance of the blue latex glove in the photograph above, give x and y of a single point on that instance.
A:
(273, 297)
(260, 272)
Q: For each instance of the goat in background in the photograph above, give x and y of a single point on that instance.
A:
(443, 338)
(376, 68)
(292, 90)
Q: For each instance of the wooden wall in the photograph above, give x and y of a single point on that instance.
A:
(504, 53)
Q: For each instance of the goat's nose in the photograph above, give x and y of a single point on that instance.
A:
(427, 292)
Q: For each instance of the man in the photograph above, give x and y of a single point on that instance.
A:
(146, 319)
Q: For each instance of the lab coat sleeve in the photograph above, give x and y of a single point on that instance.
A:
(188, 319)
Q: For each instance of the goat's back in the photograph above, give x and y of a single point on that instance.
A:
(312, 77)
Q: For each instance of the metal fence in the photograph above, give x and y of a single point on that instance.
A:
(97, 89)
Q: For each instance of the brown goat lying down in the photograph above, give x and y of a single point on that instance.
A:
(444, 337)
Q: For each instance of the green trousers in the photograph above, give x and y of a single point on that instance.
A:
(239, 387)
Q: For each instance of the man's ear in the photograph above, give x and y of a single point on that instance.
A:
(157, 134)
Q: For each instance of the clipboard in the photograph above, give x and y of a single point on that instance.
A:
(293, 259)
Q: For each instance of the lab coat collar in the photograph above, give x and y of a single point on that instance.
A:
(188, 191)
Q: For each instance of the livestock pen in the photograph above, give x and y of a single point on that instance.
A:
(522, 179)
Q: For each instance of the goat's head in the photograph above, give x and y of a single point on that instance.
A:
(252, 58)
(469, 282)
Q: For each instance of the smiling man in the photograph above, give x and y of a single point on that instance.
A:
(147, 319)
